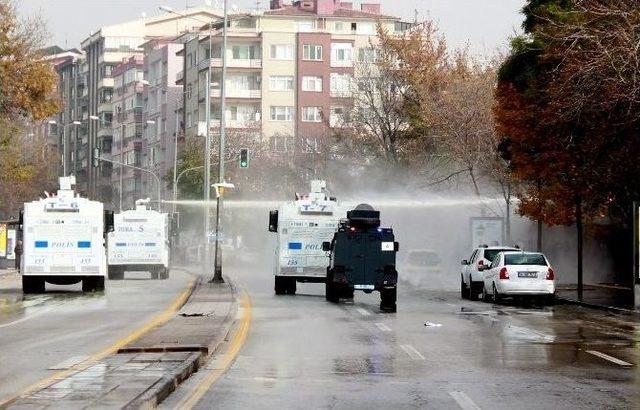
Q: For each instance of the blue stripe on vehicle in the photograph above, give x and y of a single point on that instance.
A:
(84, 244)
(295, 246)
(121, 244)
(150, 244)
(42, 244)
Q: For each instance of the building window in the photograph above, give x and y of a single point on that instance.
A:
(312, 52)
(281, 143)
(189, 60)
(244, 52)
(282, 52)
(341, 85)
(281, 113)
(189, 91)
(312, 114)
(306, 26)
(341, 54)
(339, 26)
(367, 55)
(281, 83)
(313, 84)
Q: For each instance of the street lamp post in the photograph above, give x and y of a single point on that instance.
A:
(217, 275)
(64, 143)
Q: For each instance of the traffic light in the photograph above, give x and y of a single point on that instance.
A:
(96, 158)
(244, 158)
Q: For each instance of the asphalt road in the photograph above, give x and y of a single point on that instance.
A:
(303, 352)
(43, 334)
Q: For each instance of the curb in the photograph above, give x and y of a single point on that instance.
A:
(157, 393)
(606, 308)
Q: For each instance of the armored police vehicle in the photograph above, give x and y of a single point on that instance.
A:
(140, 241)
(302, 226)
(63, 241)
(363, 257)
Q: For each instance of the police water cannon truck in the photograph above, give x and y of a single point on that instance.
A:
(302, 226)
(63, 241)
(363, 257)
(140, 242)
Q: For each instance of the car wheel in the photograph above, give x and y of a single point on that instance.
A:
(464, 294)
(280, 285)
(473, 293)
(388, 298)
(496, 296)
(292, 286)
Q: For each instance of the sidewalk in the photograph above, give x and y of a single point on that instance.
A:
(146, 371)
(608, 297)
(8, 271)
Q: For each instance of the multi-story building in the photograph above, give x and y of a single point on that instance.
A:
(126, 126)
(163, 102)
(67, 127)
(105, 49)
(290, 69)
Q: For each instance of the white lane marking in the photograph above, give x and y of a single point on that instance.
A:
(383, 327)
(463, 400)
(412, 352)
(69, 363)
(450, 304)
(363, 312)
(609, 358)
(24, 319)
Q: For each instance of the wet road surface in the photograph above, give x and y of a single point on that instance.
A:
(437, 351)
(43, 334)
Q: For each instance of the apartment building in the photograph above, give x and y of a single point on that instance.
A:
(126, 125)
(290, 69)
(163, 103)
(105, 49)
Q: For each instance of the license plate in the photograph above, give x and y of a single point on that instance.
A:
(527, 274)
(364, 287)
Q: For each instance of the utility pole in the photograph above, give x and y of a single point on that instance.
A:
(207, 157)
(217, 276)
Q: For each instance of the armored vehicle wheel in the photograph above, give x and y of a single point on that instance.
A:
(32, 285)
(388, 299)
(331, 293)
(291, 286)
(99, 283)
(347, 293)
(280, 285)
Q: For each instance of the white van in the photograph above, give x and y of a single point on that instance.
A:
(302, 226)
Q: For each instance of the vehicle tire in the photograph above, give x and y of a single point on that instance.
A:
(280, 285)
(331, 293)
(496, 296)
(99, 284)
(347, 293)
(88, 284)
(292, 286)
(473, 293)
(115, 273)
(32, 285)
(155, 273)
(464, 294)
(388, 298)
(164, 273)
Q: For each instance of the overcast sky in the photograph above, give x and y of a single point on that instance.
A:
(485, 25)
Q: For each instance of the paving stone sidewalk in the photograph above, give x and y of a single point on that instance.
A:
(146, 371)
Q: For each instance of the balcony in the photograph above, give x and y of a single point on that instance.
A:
(231, 63)
(253, 94)
(106, 82)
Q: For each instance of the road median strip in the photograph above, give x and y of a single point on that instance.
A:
(56, 378)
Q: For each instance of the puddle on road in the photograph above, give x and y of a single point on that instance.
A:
(364, 365)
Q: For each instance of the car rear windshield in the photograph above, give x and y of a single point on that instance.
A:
(525, 259)
(490, 254)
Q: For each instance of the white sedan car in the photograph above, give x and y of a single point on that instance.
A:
(516, 273)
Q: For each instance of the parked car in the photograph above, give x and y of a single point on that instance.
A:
(472, 275)
(420, 265)
(519, 274)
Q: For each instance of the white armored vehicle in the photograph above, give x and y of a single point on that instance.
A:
(302, 226)
(140, 241)
(63, 241)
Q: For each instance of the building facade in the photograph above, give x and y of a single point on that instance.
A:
(126, 125)
(290, 69)
(104, 50)
(163, 103)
